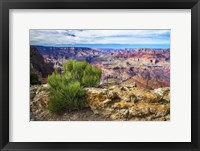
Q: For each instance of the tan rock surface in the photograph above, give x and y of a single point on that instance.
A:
(129, 103)
(113, 102)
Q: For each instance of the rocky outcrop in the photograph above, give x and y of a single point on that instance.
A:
(118, 102)
(39, 98)
(130, 103)
(38, 102)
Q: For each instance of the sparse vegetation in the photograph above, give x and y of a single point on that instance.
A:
(67, 89)
(34, 79)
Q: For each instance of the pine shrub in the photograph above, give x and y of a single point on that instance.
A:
(67, 89)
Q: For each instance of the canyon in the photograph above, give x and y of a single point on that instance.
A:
(134, 85)
(147, 68)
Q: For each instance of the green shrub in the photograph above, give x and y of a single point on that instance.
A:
(91, 76)
(34, 79)
(67, 89)
(86, 74)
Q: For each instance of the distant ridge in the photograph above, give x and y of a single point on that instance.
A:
(111, 46)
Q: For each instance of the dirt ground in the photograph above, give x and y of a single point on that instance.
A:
(85, 114)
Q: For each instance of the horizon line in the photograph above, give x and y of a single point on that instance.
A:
(113, 46)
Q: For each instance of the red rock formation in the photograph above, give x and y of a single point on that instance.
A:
(142, 65)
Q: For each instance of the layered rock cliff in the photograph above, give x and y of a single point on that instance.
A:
(38, 65)
(148, 68)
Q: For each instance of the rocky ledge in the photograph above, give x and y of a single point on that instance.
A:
(130, 103)
(115, 102)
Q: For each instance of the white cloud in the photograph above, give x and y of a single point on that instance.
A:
(40, 37)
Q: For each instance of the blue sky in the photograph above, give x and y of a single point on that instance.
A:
(142, 38)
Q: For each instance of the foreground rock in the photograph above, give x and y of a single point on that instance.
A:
(39, 111)
(112, 102)
(130, 103)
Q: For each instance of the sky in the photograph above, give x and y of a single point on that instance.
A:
(101, 38)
